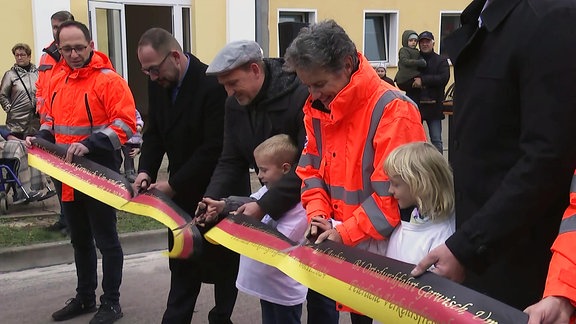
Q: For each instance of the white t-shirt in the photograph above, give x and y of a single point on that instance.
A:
(411, 241)
(266, 282)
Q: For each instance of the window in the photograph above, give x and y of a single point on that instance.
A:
(294, 16)
(290, 21)
(449, 21)
(380, 36)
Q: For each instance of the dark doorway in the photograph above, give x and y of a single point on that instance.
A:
(138, 20)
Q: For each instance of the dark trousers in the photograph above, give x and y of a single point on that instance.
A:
(321, 309)
(90, 220)
(360, 319)
(185, 283)
(280, 314)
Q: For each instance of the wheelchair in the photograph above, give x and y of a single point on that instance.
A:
(9, 182)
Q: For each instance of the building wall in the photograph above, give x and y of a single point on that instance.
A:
(16, 26)
(418, 15)
(216, 22)
(208, 28)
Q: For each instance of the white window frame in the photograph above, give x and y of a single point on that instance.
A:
(393, 40)
(312, 19)
(93, 5)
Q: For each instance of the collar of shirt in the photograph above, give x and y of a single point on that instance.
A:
(484, 8)
(177, 88)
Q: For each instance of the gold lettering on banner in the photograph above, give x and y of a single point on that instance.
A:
(374, 294)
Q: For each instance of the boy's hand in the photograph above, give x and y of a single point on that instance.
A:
(208, 211)
(251, 209)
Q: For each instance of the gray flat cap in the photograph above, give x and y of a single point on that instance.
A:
(233, 55)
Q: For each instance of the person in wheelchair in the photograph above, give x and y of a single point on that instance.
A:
(33, 181)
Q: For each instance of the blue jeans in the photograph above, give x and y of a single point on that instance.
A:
(435, 131)
(280, 314)
(321, 309)
(91, 221)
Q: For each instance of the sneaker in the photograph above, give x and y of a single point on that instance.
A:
(73, 308)
(107, 314)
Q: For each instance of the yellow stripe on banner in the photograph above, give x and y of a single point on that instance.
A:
(357, 298)
(111, 199)
(77, 183)
(146, 210)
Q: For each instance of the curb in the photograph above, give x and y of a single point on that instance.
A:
(48, 254)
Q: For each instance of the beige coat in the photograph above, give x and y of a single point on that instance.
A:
(19, 105)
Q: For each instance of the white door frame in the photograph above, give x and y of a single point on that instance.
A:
(93, 5)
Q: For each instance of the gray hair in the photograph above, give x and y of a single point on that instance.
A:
(324, 45)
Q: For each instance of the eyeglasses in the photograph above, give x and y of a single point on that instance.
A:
(67, 50)
(20, 55)
(155, 70)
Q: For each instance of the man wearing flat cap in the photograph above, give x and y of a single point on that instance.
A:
(185, 122)
(263, 101)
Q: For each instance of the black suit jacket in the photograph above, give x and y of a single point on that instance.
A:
(512, 152)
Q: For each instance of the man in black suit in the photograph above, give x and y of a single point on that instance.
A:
(185, 121)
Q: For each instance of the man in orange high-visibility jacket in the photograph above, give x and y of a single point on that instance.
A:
(559, 302)
(46, 68)
(353, 121)
(92, 112)
(48, 62)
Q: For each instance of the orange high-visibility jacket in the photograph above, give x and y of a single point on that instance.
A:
(342, 163)
(561, 280)
(46, 68)
(92, 105)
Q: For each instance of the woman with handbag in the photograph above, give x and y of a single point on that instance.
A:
(18, 93)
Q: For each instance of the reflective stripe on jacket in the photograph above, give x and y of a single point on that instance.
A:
(342, 163)
(561, 280)
(92, 105)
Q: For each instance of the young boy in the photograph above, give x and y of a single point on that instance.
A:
(409, 63)
(281, 297)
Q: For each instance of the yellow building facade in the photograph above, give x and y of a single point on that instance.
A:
(204, 26)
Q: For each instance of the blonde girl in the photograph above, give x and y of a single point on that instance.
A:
(421, 181)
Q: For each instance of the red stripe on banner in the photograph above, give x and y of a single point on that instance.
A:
(82, 173)
(379, 278)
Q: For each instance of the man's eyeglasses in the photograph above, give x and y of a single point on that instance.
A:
(20, 55)
(67, 50)
(155, 70)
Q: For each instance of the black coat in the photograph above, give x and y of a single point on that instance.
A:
(190, 132)
(277, 109)
(513, 151)
(434, 77)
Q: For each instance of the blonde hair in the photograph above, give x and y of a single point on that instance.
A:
(427, 174)
(278, 148)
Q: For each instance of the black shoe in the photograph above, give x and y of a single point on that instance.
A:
(73, 308)
(56, 227)
(107, 314)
